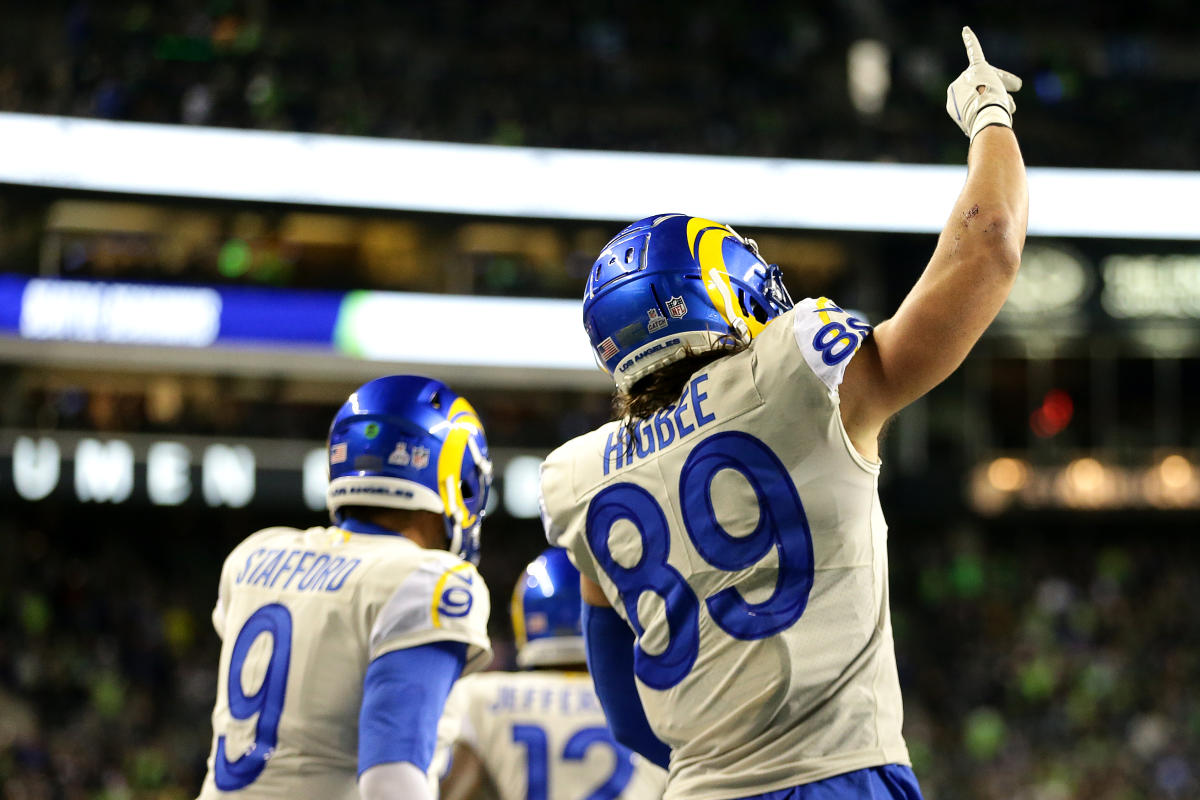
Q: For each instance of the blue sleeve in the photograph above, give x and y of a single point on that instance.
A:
(404, 694)
(610, 660)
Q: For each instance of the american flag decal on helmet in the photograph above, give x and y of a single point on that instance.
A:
(608, 349)
(676, 307)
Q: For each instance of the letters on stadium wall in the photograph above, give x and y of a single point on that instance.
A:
(191, 471)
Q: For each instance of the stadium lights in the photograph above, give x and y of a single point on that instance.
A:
(1008, 474)
(1175, 471)
(1087, 483)
(391, 174)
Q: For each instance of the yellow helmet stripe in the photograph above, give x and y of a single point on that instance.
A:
(697, 224)
(463, 411)
(464, 424)
(517, 612)
(716, 277)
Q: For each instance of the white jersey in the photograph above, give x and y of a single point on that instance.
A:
(330, 602)
(543, 735)
(740, 534)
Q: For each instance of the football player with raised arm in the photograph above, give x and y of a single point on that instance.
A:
(540, 734)
(728, 526)
(341, 644)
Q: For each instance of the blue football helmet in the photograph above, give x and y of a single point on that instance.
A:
(672, 284)
(546, 612)
(410, 442)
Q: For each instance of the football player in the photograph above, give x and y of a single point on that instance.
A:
(727, 525)
(341, 644)
(541, 734)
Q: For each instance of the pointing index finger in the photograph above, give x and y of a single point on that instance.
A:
(974, 51)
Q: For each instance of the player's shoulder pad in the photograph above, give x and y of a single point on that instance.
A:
(558, 482)
(442, 599)
(828, 336)
(269, 533)
(258, 539)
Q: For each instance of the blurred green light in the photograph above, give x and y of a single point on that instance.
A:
(984, 733)
(234, 259)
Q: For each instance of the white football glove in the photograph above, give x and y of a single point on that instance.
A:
(979, 96)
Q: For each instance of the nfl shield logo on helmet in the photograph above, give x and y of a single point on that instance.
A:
(608, 349)
(676, 307)
(420, 457)
(657, 320)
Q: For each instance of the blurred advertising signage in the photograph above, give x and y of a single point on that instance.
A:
(1052, 280)
(83, 311)
(1058, 283)
(1159, 286)
(183, 471)
(164, 315)
(375, 326)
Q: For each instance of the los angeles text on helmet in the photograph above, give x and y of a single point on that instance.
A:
(670, 425)
(629, 362)
(344, 491)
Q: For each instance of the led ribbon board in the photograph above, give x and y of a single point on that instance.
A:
(105, 312)
(376, 326)
(357, 172)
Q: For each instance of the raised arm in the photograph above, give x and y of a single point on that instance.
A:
(970, 274)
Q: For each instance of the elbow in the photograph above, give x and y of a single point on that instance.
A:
(995, 247)
(1006, 262)
(1005, 234)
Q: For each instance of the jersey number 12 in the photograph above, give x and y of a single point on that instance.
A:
(537, 751)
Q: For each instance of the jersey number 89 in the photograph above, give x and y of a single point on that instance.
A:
(782, 524)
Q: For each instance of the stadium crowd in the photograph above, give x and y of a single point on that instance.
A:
(704, 77)
(1034, 667)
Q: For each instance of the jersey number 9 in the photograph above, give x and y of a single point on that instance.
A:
(266, 701)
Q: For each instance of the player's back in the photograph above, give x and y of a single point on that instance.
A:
(542, 735)
(741, 534)
(302, 614)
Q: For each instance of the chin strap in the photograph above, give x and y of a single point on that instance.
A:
(741, 329)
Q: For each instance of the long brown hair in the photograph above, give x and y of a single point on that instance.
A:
(662, 387)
